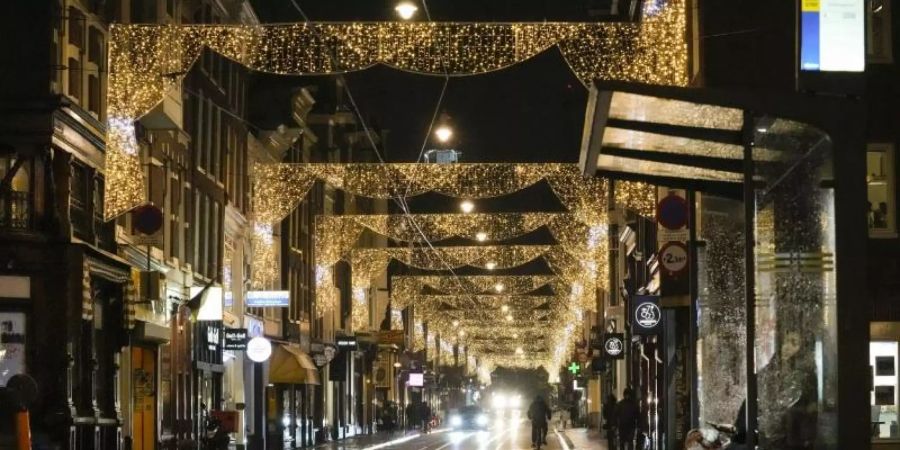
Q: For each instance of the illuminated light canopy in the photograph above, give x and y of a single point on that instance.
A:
(146, 61)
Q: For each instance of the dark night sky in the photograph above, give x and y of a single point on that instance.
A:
(532, 112)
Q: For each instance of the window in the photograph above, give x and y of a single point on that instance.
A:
(880, 172)
(76, 27)
(879, 49)
(94, 95)
(95, 47)
(143, 11)
(74, 78)
(12, 345)
(883, 359)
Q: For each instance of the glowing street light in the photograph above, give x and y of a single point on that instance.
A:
(490, 265)
(519, 351)
(509, 318)
(443, 133)
(455, 323)
(406, 10)
(467, 206)
(481, 236)
(504, 308)
(499, 287)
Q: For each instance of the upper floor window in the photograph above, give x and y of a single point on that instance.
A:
(880, 178)
(76, 27)
(879, 39)
(143, 11)
(75, 78)
(96, 53)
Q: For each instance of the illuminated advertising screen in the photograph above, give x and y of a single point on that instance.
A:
(416, 379)
(832, 35)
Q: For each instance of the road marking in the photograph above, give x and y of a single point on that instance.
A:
(394, 442)
(562, 440)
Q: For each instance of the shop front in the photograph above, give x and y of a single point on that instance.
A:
(884, 351)
(293, 380)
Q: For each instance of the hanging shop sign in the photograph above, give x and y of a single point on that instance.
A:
(213, 337)
(614, 345)
(347, 343)
(268, 299)
(673, 256)
(416, 379)
(259, 349)
(235, 339)
(646, 315)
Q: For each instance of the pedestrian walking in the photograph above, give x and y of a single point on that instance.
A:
(539, 413)
(627, 414)
(412, 413)
(609, 420)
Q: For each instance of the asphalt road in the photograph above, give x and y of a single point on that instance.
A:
(510, 436)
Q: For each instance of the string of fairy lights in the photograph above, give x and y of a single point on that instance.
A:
(147, 61)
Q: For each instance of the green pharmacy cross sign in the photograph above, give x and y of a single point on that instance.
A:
(574, 368)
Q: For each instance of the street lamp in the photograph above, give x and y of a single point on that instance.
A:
(466, 206)
(499, 287)
(490, 265)
(481, 236)
(406, 10)
(443, 133)
(504, 308)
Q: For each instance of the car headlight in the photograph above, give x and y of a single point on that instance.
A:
(481, 420)
(455, 421)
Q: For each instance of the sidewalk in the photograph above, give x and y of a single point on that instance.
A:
(584, 439)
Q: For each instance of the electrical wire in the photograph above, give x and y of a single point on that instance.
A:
(398, 199)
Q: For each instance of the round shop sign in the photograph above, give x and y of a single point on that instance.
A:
(259, 349)
(673, 256)
(613, 346)
(648, 315)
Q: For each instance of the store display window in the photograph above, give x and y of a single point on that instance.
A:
(883, 359)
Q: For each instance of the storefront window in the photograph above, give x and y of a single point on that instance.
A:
(880, 182)
(796, 321)
(883, 359)
(12, 345)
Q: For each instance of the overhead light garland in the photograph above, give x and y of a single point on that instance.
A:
(146, 61)
(336, 235)
(279, 188)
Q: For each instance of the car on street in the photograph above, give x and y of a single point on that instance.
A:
(470, 418)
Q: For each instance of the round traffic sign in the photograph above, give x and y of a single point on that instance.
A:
(672, 212)
(673, 256)
(147, 219)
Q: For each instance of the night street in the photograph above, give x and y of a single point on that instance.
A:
(298, 224)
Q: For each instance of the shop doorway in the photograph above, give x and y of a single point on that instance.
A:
(143, 394)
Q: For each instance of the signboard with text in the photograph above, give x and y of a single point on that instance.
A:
(235, 339)
(268, 299)
(347, 343)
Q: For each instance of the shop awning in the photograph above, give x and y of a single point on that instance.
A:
(290, 365)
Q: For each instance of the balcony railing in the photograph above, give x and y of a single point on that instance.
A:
(15, 210)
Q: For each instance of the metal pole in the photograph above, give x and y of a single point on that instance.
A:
(750, 279)
(692, 314)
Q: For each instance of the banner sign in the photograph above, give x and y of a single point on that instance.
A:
(235, 339)
(646, 315)
(268, 299)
